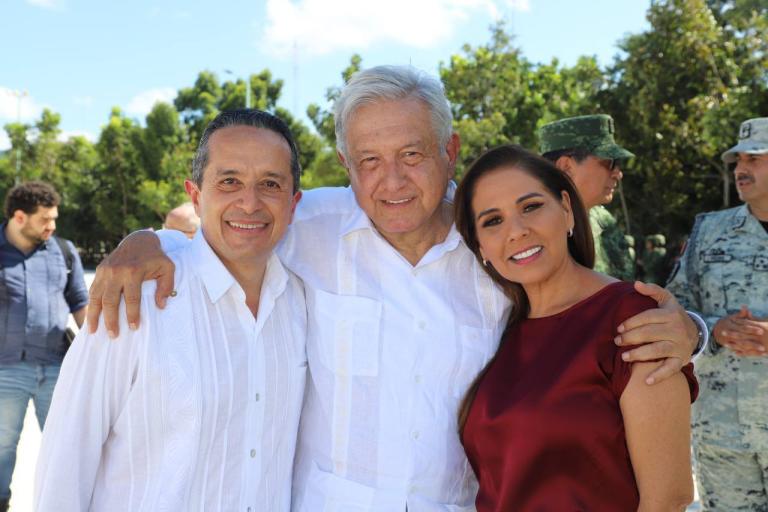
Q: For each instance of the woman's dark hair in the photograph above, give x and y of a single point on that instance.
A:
(580, 245)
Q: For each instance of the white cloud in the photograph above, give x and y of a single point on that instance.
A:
(323, 26)
(141, 104)
(9, 106)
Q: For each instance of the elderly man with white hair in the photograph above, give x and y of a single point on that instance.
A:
(401, 315)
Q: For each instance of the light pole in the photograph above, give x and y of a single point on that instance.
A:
(247, 87)
(19, 95)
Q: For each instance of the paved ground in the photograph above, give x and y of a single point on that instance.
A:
(23, 476)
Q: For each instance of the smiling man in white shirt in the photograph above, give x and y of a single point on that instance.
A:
(198, 408)
(401, 315)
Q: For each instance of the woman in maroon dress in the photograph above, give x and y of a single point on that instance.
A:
(557, 421)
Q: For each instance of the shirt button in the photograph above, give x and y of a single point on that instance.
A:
(417, 379)
(422, 324)
(249, 509)
(258, 397)
(253, 453)
(415, 434)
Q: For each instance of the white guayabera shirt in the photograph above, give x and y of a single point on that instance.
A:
(392, 349)
(196, 410)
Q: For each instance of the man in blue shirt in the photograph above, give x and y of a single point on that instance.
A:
(41, 283)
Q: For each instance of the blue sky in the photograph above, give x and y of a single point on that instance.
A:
(81, 57)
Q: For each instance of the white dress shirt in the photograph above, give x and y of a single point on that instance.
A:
(196, 410)
(392, 349)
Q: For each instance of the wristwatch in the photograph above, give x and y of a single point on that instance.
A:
(703, 341)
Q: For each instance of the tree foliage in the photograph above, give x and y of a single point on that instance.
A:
(678, 95)
(498, 96)
(677, 91)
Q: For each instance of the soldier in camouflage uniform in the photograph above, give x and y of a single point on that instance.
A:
(584, 148)
(723, 275)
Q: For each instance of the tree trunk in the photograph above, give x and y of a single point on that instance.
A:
(726, 185)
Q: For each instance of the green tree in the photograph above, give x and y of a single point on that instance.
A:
(20, 154)
(200, 103)
(78, 163)
(325, 170)
(118, 177)
(45, 148)
(166, 156)
(678, 95)
(163, 134)
(497, 96)
(322, 118)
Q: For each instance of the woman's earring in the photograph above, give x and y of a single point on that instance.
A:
(570, 233)
(485, 262)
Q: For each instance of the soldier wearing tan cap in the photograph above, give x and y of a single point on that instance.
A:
(723, 275)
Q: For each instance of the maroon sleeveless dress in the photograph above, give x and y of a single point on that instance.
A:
(545, 432)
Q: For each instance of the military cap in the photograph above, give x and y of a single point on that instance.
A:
(590, 133)
(753, 139)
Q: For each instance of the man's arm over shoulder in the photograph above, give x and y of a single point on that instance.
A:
(92, 390)
(138, 258)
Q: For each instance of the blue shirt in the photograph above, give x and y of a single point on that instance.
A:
(34, 308)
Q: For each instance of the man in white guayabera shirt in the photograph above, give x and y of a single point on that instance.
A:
(198, 408)
(401, 315)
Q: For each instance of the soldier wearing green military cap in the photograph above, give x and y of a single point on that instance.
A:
(723, 275)
(584, 147)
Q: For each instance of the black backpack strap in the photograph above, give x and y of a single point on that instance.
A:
(69, 258)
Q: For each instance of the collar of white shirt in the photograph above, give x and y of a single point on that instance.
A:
(358, 220)
(218, 280)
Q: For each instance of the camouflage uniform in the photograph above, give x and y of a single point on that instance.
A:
(612, 253)
(594, 134)
(725, 265)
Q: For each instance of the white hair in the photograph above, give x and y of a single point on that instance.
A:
(393, 83)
